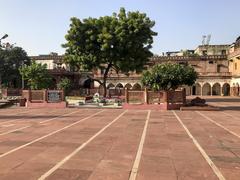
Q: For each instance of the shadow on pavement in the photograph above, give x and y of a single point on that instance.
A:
(223, 100)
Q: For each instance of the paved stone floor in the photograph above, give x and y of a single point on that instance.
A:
(65, 144)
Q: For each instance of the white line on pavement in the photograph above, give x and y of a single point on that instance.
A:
(44, 121)
(134, 170)
(17, 119)
(214, 122)
(45, 136)
(229, 115)
(14, 130)
(204, 154)
(25, 127)
(60, 163)
(7, 125)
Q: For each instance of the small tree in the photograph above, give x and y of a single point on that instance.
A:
(121, 42)
(64, 84)
(169, 76)
(11, 59)
(37, 76)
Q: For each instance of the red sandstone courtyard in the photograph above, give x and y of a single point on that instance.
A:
(119, 144)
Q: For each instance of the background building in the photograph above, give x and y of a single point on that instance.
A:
(234, 66)
(58, 70)
(218, 67)
(210, 61)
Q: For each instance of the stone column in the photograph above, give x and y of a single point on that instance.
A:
(211, 90)
(146, 95)
(184, 96)
(221, 89)
(45, 92)
(126, 95)
(165, 96)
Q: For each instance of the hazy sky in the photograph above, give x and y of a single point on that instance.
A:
(39, 26)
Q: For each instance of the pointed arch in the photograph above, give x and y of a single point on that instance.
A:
(206, 89)
(226, 89)
(216, 89)
(87, 83)
(137, 86)
(101, 90)
(128, 86)
(238, 89)
(196, 89)
(110, 86)
(119, 86)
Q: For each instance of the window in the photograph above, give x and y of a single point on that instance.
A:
(224, 52)
(218, 68)
(102, 71)
(204, 53)
(210, 62)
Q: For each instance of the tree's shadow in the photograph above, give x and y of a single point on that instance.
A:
(32, 117)
(223, 100)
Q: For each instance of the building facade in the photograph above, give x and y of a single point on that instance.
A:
(234, 67)
(58, 70)
(210, 61)
(218, 68)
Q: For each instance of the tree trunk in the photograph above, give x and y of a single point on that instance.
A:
(105, 80)
(104, 89)
(0, 81)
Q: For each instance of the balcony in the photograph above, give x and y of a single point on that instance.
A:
(188, 58)
(214, 74)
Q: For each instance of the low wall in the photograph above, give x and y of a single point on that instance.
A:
(162, 106)
(11, 92)
(91, 92)
(159, 100)
(44, 98)
(46, 105)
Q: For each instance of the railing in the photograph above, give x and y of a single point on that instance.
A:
(135, 97)
(155, 97)
(11, 92)
(55, 96)
(37, 96)
(215, 74)
(91, 92)
(176, 58)
(176, 96)
(50, 96)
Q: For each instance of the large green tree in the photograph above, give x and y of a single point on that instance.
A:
(169, 76)
(121, 42)
(37, 76)
(11, 59)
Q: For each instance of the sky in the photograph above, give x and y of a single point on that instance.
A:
(39, 26)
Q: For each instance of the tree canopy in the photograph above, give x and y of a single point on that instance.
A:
(11, 59)
(168, 76)
(37, 76)
(121, 42)
(64, 84)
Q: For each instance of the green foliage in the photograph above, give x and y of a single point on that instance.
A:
(169, 76)
(121, 41)
(11, 60)
(37, 76)
(64, 84)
